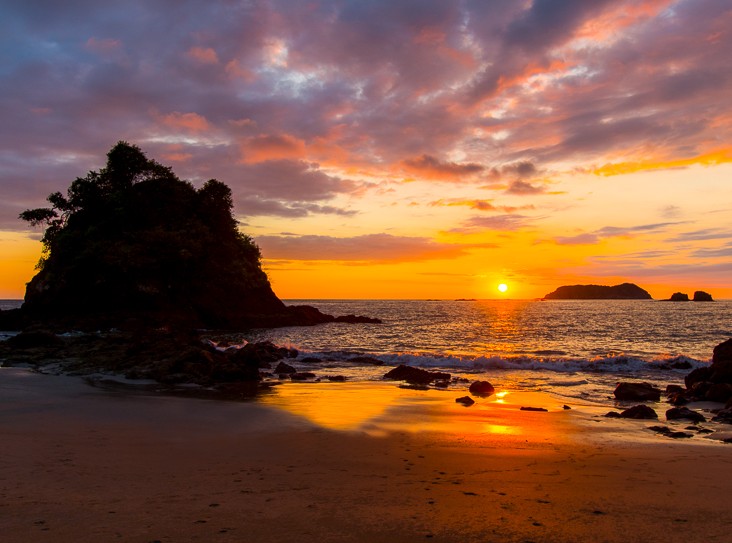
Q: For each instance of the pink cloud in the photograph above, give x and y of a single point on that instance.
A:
(204, 55)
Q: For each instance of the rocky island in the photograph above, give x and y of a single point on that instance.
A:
(133, 245)
(624, 291)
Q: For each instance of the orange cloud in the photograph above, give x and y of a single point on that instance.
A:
(103, 46)
(204, 55)
(190, 122)
(272, 147)
(709, 159)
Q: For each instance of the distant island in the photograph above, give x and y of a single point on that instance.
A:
(624, 291)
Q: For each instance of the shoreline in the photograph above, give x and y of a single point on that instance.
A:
(82, 463)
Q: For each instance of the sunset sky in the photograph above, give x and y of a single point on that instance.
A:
(396, 148)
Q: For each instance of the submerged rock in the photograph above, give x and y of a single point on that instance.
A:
(415, 376)
(481, 388)
(637, 392)
(538, 409)
(467, 401)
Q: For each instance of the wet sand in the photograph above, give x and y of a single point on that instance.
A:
(84, 464)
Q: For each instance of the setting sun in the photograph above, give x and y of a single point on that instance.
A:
(503, 287)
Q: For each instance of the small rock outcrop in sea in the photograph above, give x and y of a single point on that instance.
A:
(679, 297)
(637, 392)
(415, 376)
(624, 291)
(467, 401)
(701, 296)
(481, 388)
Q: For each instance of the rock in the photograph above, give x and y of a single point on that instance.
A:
(679, 297)
(336, 378)
(719, 392)
(357, 319)
(311, 360)
(467, 401)
(701, 296)
(415, 376)
(534, 409)
(481, 388)
(262, 353)
(625, 291)
(678, 398)
(723, 415)
(34, 338)
(612, 415)
(637, 392)
(566, 407)
(282, 367)
(442, 384)
(674, 389)
(639, 412)
(677, 413)
(366, 360)
(722, 352)
(697, 375)
(302, 376)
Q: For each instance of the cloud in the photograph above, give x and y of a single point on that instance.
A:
(272, 147)
(431, 168)
(367, 248)
(509, 222)
(705, 234)
(254, 206)
(523, 188)
(579, 239)
(590, 238)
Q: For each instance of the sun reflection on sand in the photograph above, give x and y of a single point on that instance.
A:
(379, 408)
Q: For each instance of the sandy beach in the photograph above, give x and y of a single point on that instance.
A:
(342, 462)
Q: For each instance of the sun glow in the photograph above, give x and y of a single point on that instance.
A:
(503, 287)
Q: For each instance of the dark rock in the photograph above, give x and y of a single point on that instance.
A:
(262, 354)
(302, 376)
(467, 401)
(674, 389)
(311, 360)
(719, 392)
(677, 413)
(697, 375)
(612, 415)
(723, 415)
(442, 384)
(336, 378)
(481, 388)
(678, 398)
(357, 319)
(34, 338)
(639, 412)
(625, 291)
(679, 435)
(699, 390)
(282, 367)
(541, 409)
(722, 352)
(679, 297)
(701, 296)
(366, 360)
(660, 429)
(566, 407)
(637, 392)
(414, 375)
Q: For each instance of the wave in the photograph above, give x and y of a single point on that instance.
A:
(467, 364)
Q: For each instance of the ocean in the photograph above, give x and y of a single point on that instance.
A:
(577, 349)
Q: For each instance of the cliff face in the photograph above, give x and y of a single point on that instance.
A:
(134, 240)
(624, 291)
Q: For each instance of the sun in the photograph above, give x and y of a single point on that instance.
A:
(503, 287)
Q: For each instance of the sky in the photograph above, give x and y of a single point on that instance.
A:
(396, 148)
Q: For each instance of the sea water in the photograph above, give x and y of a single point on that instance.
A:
(573, 348)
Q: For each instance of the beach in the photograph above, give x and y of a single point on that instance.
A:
(368, 463)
